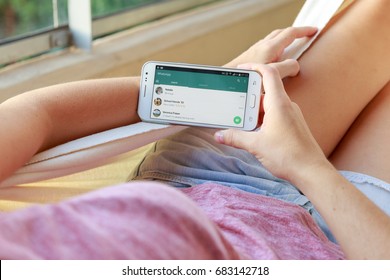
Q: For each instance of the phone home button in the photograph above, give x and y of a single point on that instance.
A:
(252, 101)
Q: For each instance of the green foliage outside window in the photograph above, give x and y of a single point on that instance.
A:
(104, 7)
(24, 16)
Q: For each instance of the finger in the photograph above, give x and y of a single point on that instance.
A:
(261, 103)
(275, 72)
(261, 113)
(273, 34)
(233, 137)
(288, 35)
(286, 68)
(273, 86)
(246, 66)
(300, 31)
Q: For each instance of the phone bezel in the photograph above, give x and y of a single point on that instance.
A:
(146, 95)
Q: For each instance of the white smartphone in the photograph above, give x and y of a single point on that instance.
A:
(198, 95)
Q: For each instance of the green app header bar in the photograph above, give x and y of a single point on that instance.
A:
(206, 79)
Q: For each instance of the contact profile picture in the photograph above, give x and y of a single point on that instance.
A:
(156, 113)
(159, 90)
(157, 101)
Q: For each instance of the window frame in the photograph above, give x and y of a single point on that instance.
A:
(83, 29)
(166, 39)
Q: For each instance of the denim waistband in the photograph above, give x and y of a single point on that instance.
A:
(192, 157)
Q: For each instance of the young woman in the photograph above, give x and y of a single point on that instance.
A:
(342, 90)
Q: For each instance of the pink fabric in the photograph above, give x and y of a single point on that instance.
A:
(153, 221)
(261, 227)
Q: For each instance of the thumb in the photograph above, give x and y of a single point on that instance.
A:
(235, 138)
(286, 68)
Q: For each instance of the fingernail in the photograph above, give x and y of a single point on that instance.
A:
(219, 136)
(246, 66)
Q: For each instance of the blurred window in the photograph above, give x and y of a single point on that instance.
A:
(32, 27)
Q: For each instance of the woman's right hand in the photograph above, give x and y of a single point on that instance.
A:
(284, 143)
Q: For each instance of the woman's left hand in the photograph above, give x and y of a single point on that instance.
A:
(271, 48)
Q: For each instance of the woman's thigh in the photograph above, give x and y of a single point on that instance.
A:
(365, 147)
(343, 71)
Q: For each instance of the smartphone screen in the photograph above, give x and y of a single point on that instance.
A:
(199, 96)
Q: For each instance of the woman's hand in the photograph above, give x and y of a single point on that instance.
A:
(284, 144)
(271, 48)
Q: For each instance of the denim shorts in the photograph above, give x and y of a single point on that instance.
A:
(192, 157)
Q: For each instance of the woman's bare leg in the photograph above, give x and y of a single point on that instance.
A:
(343, 71)
(365, 148)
